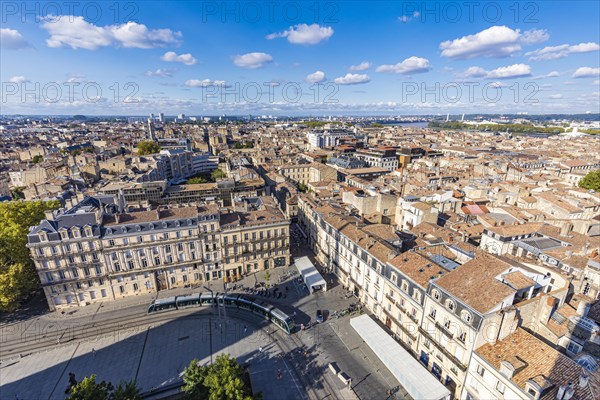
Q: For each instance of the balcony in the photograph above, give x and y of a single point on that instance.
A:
(412, 317)
(444, 330)
(446, 353)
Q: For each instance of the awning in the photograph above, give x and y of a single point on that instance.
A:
(413, 377)
(310, 275)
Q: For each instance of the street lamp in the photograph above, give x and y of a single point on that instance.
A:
(212, 295)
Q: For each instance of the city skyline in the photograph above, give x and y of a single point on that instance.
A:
(217, 58)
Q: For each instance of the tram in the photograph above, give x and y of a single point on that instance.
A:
(230, 300)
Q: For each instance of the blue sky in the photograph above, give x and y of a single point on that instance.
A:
(290, 58)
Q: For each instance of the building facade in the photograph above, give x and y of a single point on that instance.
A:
(98, 251)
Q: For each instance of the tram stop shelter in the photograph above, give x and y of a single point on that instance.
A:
(310, 275)
(414, 378)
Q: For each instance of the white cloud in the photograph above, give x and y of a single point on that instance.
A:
(204, 83)
(555, 52)
(11, 39)
(162, 72)
(586, 72)
(363, 66)
(556, 96)
(315, 77)
(18, 79)
(252, 60)
(474, 72)
(407, 18)
(412, 65)
(495, 42)
(75, 32)
(186, 59)
(534, 36)
(511, 71)
(352, 79)
(304, 34)
(553, 74)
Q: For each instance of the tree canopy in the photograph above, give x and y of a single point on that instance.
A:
(222, 380)
(17, 274)
(37, 158)
(148, 147)
(591, 181)
(89, 389)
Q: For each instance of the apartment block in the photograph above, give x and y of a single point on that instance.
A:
(102, 250)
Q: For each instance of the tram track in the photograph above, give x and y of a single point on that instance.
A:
(34, 342)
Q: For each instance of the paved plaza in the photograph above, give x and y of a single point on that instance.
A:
(156, 353)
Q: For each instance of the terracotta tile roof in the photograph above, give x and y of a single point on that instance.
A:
(475, 283)
(517, 280)
(417, 267)
(540, 362)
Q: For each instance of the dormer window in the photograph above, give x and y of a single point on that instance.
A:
(88, 231)
(189, 222)
(533, 389)
(138, 228)
(109, 231)
(466, 316)
(64, 234)
(124, 229)
(75, 232)
(43, 236)
(164, 224)
(177, 223)
(436, 295)
(450, 305)
(405, 286)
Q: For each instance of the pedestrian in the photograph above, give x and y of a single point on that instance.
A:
(278, 374)
(245, 329)
(260, 349)
(94, 352)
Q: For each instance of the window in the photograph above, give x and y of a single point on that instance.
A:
(436, 295)
(573, 347)
(432, 313)
(462, 337)
(466, 316)
(500, 387)
(480, 370)
(450, 304)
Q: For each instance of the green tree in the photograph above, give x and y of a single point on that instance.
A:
(222, 380)
(126, 390)
(148, 147)
(591, 181)
(217, 173)
(37, 158)
(193, 380)
(17, 274)
(196, 179)
(89, 389)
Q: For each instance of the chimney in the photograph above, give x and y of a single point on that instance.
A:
(566, 229)
(49, 215)
(117, 217)
(583, 308)
(157, 213)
